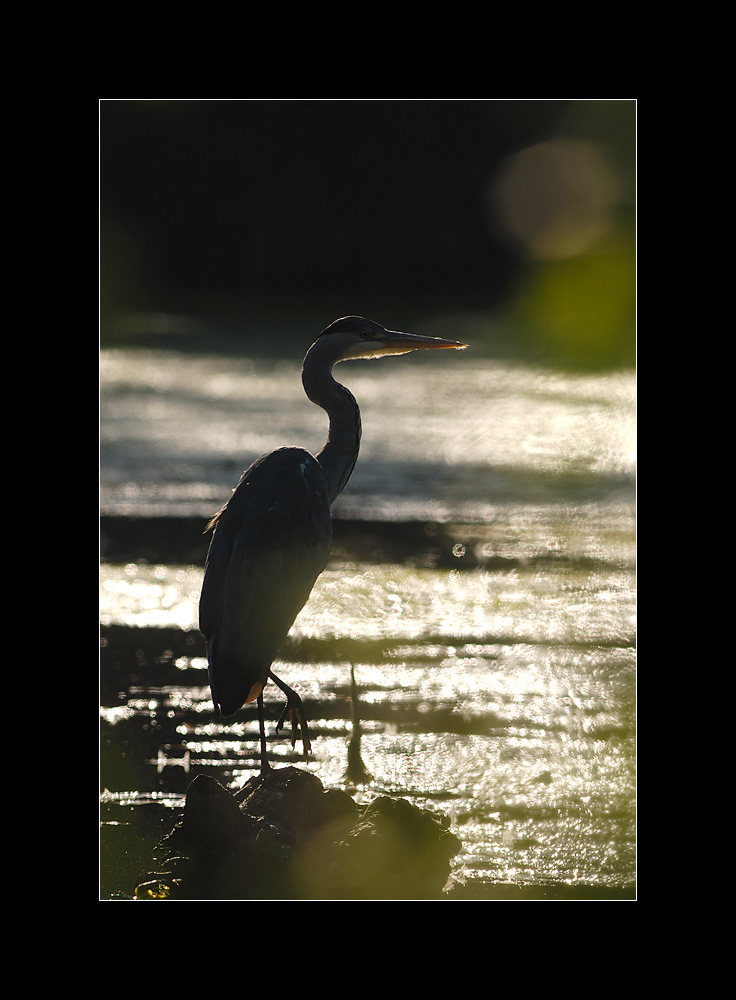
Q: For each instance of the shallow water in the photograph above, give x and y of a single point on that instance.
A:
(453, 440)
(501, 694)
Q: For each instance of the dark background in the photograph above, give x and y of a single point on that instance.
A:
(231, 215)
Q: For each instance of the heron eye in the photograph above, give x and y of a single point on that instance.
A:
(365, 334)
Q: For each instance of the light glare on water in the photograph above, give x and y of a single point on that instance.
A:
(505, 699)
(502, 696)
(401, 603)
(439, 441)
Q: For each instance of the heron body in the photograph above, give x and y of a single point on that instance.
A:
(272, 539)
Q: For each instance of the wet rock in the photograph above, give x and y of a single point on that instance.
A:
(295, 803)
(395, 851)
(216, 851)
(283, 836)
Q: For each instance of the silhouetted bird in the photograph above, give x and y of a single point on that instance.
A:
(272, 538)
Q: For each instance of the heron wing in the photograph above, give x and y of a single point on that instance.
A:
(271, 542)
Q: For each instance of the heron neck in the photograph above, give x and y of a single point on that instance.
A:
(340, 453)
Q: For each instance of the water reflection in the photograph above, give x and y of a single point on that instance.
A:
(503, 699)
(436, 443)
(495, 672)
(400, 603)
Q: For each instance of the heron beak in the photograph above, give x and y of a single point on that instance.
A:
(413, 342)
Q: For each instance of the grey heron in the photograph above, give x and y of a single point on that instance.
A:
(272, 538)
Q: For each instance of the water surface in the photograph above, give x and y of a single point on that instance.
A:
(500, 693)
(453, 439)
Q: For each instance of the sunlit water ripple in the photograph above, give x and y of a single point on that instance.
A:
(502, 697)
(445, 440)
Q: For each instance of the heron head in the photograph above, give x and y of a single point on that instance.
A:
(356, 337)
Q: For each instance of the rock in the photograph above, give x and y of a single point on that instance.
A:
(395, 851)
(283, 836)
(295, 803)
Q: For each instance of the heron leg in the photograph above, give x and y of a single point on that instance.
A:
(265, 766)
(295, 710)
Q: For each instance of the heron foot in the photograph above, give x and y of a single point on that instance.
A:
(295, 710)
